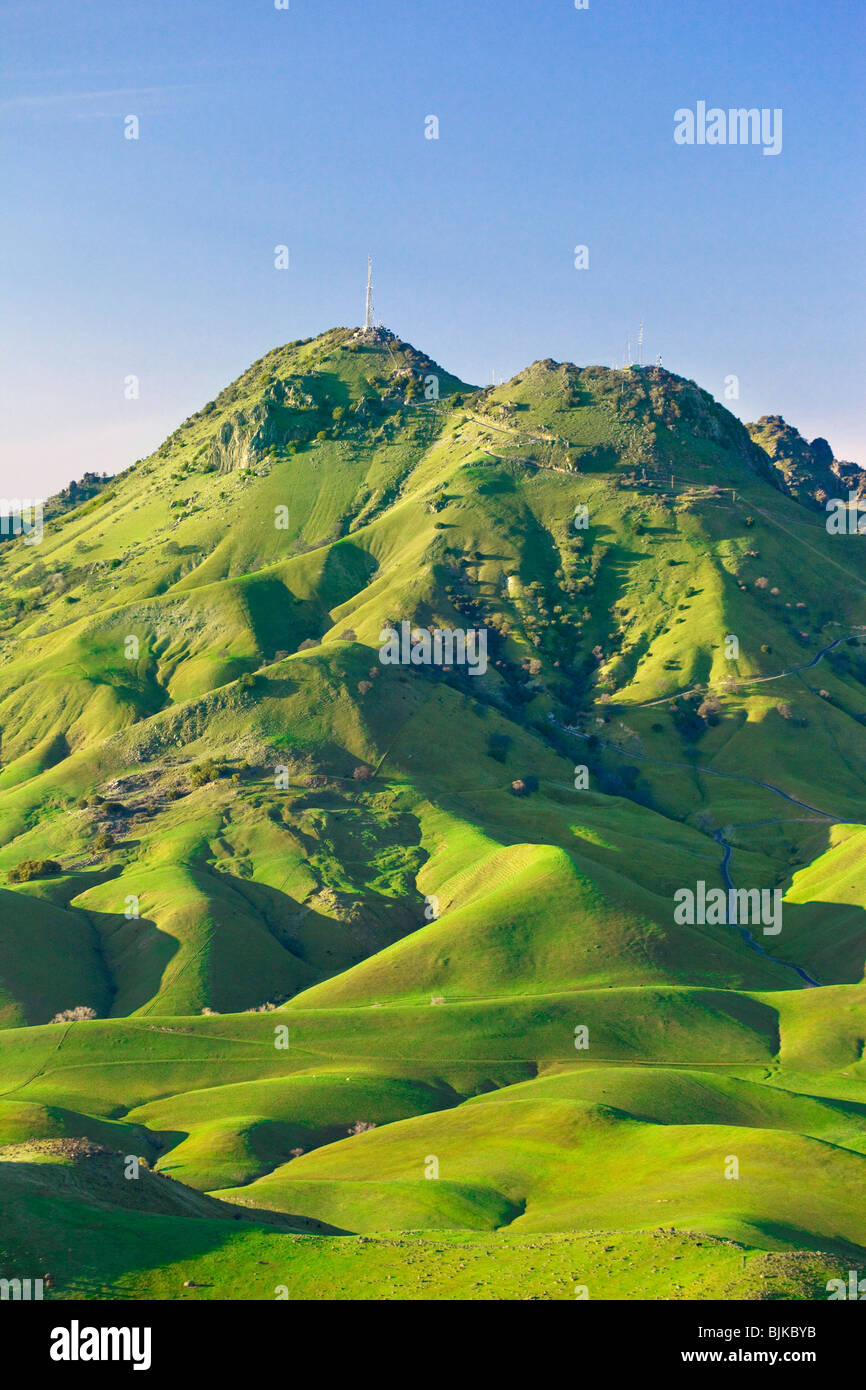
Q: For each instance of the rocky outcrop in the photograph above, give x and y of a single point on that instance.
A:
(246, 437)
(807, 471)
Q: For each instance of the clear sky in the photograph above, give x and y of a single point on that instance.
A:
(306, 127)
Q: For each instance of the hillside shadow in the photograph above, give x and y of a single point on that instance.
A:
(799, 1238)
(278, 620)
(347, 570)
(140, 950)
(826, 939)
(92, 1248)
(324, 945)
(275, 687)
(597, 458)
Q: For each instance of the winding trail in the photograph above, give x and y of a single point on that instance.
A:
(747, 680)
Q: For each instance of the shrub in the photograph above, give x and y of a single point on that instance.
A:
(205, 772)
(104, 840)
(34, 868)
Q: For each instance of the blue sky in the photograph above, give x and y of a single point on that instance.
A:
(306, 127)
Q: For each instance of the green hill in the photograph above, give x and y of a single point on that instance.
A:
(307, 919)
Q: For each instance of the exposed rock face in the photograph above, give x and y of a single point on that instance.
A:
(378, 334)
(245, 438)
(806, 471)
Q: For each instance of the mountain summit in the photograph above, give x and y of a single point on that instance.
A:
(452, 886)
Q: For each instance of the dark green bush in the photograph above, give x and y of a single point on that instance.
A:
(34, 868)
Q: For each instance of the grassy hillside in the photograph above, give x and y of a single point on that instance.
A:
(308, 921)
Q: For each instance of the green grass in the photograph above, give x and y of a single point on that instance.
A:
(431, 940)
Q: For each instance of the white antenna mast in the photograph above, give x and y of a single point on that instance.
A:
(640, 345)
(368, 316)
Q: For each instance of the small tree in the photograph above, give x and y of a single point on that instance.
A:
(79, 1014)
(710, 709)
(29, 869)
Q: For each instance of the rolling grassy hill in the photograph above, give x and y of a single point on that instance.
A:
(390, 950)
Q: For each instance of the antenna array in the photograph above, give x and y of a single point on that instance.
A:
(368, 315)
